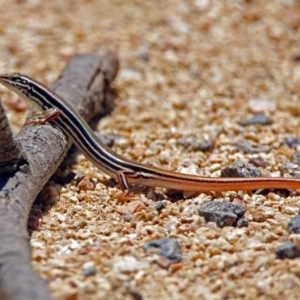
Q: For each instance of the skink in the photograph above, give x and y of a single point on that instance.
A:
(116, 166)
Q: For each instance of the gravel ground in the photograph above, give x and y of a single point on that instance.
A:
(202, 84)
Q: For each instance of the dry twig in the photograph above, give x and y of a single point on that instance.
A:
(86, 84)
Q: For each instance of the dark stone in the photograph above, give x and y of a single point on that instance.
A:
(127, 217)
(259, 119)
(294, 225)
(169, 248)
(258, 162)
(292, 168)
(136, 295)
(292, 141)
(143, 54)
(242, 223)
(239, 169)
(223, 213)
(296, 158)
(250, 147)
(287, 250)
(296, 58)
(159, 205)
(194, 144)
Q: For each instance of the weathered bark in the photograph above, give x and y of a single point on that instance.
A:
(11, 152)
(85, 79)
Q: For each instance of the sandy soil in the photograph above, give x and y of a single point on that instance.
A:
(190, 71)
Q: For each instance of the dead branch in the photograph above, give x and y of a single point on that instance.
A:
(11, 152)
(86, 79)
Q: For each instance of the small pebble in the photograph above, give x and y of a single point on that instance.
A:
(86, 184)
(292, 141)
(172, 224)
(169, 248)
(250, 147)
(239, 169)
(131, 207)
(163, 262)
(159, 205)
(294, 225)
(130, 75)
(127, 217)
(291, 168)
(74, 199)
(262, 213)
(127, 264)
(223, 213)
(89, 269)
(287, 250)
(193, 144)
(242, 223)
(290, 210)
(260, 119)
(296, 158)
(143, 54)
(260, 105)
(258, 162)
(61, 218)
(202, 5)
